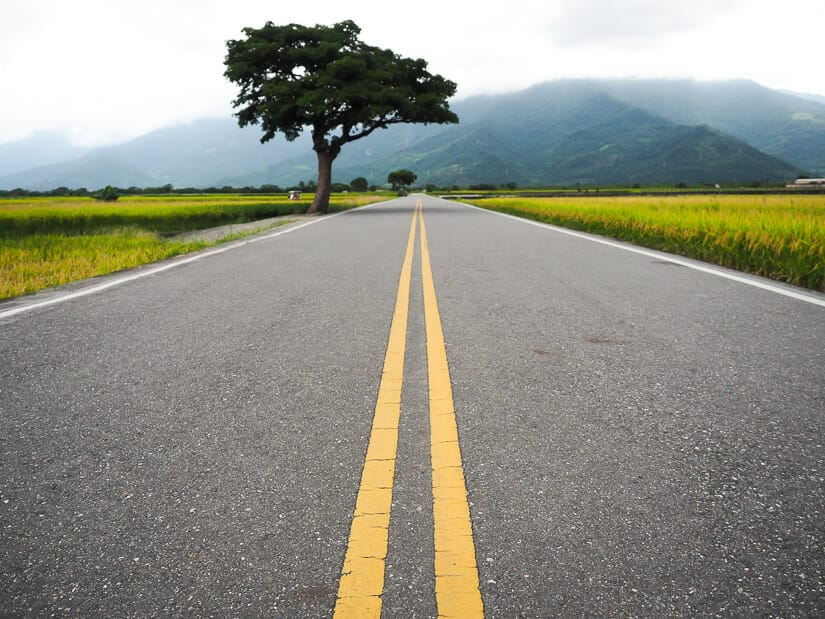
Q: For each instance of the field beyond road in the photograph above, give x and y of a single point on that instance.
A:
(47, 242)
(776, 236)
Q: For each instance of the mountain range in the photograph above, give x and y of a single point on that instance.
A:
(561, 132)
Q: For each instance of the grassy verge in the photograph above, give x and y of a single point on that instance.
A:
(47, 242)
(777, 236)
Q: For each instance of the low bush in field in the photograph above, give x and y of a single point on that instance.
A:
(778, 236)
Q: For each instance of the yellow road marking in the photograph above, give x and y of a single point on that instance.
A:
(362, 577)
(456, 574)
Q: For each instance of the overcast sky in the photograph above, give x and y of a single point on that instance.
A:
(109, 70)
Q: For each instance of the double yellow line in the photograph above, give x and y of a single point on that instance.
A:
(456, 574)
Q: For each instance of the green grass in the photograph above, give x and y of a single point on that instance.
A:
(777, 236)
(47, 242)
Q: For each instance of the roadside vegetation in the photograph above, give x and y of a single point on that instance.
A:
(777, 236)
(51, 241)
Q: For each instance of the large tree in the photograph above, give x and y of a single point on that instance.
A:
(401, 178)
(324, 78)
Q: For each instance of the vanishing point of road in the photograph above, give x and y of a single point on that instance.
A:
(414, 409)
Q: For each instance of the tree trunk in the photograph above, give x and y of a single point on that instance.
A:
(321, 202)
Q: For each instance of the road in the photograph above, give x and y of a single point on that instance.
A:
(635, 436)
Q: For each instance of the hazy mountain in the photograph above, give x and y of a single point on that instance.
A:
(785, 126)
(592, 131)
(41, 149)
(805, 95)
(197, 154)
(603, 131)
(582, 135)
(92, 171)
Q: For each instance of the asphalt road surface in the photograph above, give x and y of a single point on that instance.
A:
(637, 437)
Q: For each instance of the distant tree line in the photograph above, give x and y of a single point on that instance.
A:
(359, 184)
(362, 185)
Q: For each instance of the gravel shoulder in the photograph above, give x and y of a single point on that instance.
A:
(212, 235)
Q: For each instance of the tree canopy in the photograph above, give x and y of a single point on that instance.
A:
(324, 78)
(401, 178)
(107, 194)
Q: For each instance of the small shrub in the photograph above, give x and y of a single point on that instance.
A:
(108, 194)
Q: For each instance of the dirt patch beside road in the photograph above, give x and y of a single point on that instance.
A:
(212, 235)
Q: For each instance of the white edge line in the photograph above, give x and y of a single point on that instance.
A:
(661, 256)
(159, 269)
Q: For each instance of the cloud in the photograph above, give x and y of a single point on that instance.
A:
(107, 70)
(632, 23)
(110, 70)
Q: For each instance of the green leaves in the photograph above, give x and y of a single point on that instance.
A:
(324, 77)
(401, 178)
(292, 77)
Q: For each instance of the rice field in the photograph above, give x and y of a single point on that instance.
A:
(47, 242)
(160, 214)
(777, 236)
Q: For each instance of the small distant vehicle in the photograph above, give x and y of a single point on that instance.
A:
(294, 195)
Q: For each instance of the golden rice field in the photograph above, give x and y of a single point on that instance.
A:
(777, 236)
(47, 242)
(51, 241)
